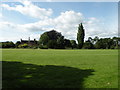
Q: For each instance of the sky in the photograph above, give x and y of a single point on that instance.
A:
(30, 19)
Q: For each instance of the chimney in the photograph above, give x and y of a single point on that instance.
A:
(29, 39)
(21, 40)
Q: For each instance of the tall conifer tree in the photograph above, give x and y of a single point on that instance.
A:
(80, 36)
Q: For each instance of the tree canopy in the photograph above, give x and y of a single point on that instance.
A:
(52, 39)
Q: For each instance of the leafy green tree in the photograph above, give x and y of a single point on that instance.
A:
(116, 41)
(67, 43)
(109, 43)
(52, 44)
(105, 43)
(44, 39)
(51, 39)
(8, 44)
(17, 44)
(95, 39)
(73, 44)
(60, 42)
(80, 36)
(88, 45)
(91, 40)
(100, 44)
(53, 35)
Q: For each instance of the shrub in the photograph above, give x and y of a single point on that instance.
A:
(23, 45)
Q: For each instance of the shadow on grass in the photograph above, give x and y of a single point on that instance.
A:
(20, 75)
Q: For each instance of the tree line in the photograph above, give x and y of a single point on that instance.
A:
(55, 40)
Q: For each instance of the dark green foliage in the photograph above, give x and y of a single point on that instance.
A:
(44, 39)
(52, 39)
(91, 40)
(99, 45)
(107, 43)
(88, 45)
(43, 46)
(53, 35)
(0, 44)
(95, 39)
(8, 44)
(73, 44)
(67, 43)
(17, 44)
(104, 43)
(80, 36)
(116, 41)
(52, 44)
(60, 43)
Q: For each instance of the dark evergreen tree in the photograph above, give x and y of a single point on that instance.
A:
(80, 36)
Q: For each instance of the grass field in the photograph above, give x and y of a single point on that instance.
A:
(30, 68)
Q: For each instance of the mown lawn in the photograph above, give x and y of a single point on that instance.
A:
(36, 68)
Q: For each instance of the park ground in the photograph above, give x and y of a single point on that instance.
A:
(36, 68)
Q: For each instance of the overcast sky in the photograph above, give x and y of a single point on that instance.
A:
(30, 19)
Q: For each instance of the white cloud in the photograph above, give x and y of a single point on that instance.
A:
(95, 27)
(66, 23)
(30, 9)
(66, 0)
(6, 25)
(48, 0)
(1, 15)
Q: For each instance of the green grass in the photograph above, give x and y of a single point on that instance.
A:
(27, 68)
